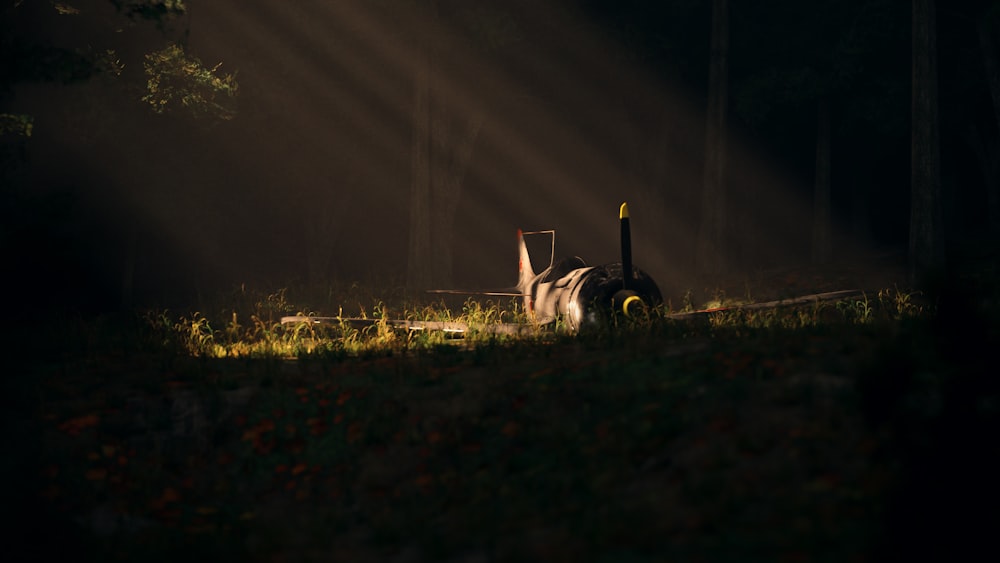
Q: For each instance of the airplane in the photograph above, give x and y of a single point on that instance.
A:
(567, 294)
(582, 296)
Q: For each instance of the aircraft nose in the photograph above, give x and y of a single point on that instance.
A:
(628, 302)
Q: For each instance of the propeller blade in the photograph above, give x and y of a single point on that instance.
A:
(626, 240)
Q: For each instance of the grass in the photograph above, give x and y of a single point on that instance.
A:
(264, 336)
(789, 434)
(261, 335)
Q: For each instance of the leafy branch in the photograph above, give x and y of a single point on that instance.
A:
(176, 79)
(16, 123)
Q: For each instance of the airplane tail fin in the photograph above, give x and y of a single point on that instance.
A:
(525, 273)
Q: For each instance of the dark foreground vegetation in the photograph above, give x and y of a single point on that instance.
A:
(864, 430)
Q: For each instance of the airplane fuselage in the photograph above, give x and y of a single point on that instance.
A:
(582, 295)
(585, 296)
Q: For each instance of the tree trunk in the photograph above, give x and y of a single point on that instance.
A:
(419, 268)
(442, 145)
(988, 155)
(992, 68)
(711, 246)
(860, 211)
(926, 236)
(452, 139)
(822, 246)
(322, 220)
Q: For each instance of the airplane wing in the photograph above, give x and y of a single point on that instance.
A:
(517, 329)
(507, 292)
(458, 328)
(804, 300)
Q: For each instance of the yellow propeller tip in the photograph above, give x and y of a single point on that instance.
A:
(623, 212)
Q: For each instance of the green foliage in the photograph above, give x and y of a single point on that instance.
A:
(16, 124)
(108, 63)
(176, 80)
(265, 335)
(65, 9)
(157, 10)
(41, 62)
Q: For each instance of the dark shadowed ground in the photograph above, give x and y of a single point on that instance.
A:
(838, 442)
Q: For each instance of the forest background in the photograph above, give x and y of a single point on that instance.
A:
(156, 151)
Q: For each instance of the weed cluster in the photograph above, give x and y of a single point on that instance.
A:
(886, 305)
(251, 327)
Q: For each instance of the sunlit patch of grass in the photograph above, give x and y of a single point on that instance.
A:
(251, 328)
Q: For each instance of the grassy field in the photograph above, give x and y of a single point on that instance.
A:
(863, 430)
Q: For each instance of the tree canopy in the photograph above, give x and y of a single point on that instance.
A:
(77, 40)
